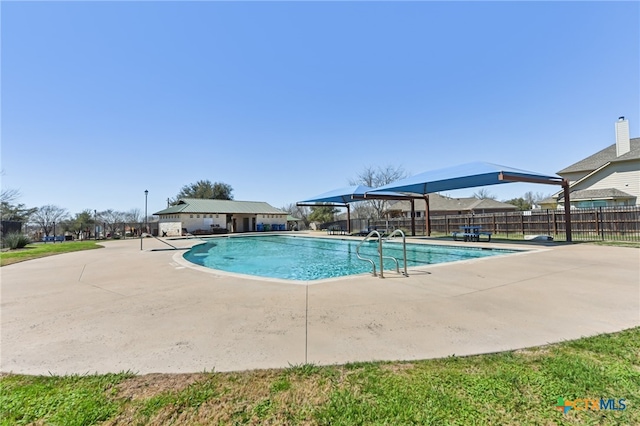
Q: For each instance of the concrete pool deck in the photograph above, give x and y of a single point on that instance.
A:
(120, 308)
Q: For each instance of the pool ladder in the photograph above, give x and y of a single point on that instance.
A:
(380, 252)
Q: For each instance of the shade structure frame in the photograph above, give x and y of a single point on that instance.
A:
(471, 175)
(343, 197)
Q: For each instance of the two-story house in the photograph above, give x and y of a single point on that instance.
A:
(610, 177)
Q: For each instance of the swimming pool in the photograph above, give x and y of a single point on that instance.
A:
(307, 259)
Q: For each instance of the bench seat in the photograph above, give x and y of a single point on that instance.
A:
(471, 236)
(337, 232)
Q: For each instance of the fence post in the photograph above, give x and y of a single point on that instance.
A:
(600, 224)
(506, 223)
(548, 224)
(522, 224)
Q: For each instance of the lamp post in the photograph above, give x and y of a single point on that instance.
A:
(95, 225)
(146, 194)
(146, 223)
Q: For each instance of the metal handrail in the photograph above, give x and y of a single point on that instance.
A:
(404, 250)
(381, 254)
(163, 241)
(388, 257)
(374, 232)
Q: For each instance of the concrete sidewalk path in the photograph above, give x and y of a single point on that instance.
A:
(120, 308)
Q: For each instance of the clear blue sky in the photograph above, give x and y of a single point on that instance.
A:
(287, 100)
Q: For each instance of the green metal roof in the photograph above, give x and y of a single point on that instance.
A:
(197, 205)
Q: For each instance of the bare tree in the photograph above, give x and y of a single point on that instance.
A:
(112, 219)
(9, 211)
(363, 210)
(299, 212)
(534, 199)
(8, 195)
(484, 194)
(133, 218)
(376, 177)
(47, 216)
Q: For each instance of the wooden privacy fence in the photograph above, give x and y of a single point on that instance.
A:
(603, 223)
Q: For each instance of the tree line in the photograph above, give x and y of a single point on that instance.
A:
(52, 219)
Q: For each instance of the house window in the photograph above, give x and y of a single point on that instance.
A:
(191, 216)
(216, 216)
(591, 204)
(418, 214)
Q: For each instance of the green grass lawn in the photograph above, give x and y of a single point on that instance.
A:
(511, 388)
(37, 250)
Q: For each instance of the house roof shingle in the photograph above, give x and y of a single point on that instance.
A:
(603, 157)
(439, 202)
(596, 194)
(196, 205)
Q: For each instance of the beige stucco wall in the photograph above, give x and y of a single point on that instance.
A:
(170, 226)
(193, 222)
(196, 221)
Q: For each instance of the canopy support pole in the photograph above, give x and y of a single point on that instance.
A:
(567, 210)
(413, 217)
(427, 214)
(549, 181)
(348, 219)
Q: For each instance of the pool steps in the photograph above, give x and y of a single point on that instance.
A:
(380, 252)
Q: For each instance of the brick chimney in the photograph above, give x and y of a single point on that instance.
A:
(623, 145)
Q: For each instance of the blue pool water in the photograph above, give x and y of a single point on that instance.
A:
(307, 259)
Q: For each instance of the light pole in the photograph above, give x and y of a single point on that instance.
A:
(146, 223)
(146, 194)
(95, 225)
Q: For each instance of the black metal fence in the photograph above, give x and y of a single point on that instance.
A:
(603, 223)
